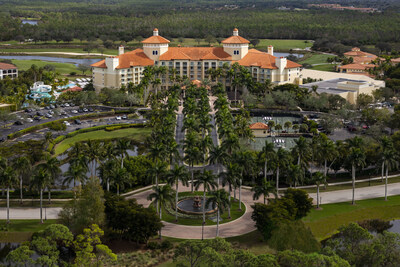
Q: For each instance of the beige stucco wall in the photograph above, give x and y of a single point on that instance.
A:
(260, 133)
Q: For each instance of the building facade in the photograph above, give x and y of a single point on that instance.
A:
(192, 62)
(8, 70)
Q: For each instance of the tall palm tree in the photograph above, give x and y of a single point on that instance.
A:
(161, 195)
(318, 178)
(296, 175)
(281, 159)
(121, 148)
(52, 166)
(326, 150)
(219, 157)
(218, 199)
(386, 144)
(264, 189)
(357, 159)
(93, 152)
(75, 172)
(230, 177)
(178, 173)
(207, 180)
(156, 171)
(8, 179)
(302, 151)
(39, 181)
(192, 154)
(22, 167)
(268, 152)
(119, 176)
(390, 159)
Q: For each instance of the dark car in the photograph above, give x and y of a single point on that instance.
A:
(77, 122)
(351, 128)
(2, 139)
(52, 106)
(124, 117)
(47, 107)
(28, 110)
(39, 113)
(36, 118)
(80, 110)
(90, 109)
(18, 123)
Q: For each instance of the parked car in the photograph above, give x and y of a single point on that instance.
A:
(118, 118)
(18, 123)
(52, 106)
(80, 110)
(85, 110)
(29, 120)
(51, 112)
(77, 122)
(62, 105)
(71, 104)
(63, 113)
(74, 111)
(47, 107)
(67, 123)
(90, 109)
(37, 118)
(39, 113)
(124, 117)
(28, 110)
(66, 105)
(49, 116)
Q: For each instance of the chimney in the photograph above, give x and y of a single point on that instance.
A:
(120, 50)
(271, 50)
(281, 63)
(235, 32)
(155, 32)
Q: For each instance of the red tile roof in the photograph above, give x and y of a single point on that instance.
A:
(195, 53)
(155, 39)
(357, 66)
(73, 89)
(132, 58)
(6, 66)
(258, 126)
(235, 40)
(263, 60)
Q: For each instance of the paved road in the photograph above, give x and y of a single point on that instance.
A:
(29, 213)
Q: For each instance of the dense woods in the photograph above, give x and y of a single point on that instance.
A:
(63, 20)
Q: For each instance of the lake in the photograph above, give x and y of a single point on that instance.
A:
(278, 54)
(31, 22)
(75, 61)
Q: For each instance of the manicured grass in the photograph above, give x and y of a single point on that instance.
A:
(29, 195)
(252, 241)
(325, 67)
(138, 134)
(21, 230)
(62, 68)
(315, 59)
(235, 214)
(323, 223)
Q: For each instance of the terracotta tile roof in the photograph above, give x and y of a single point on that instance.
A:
(155, 39)
(263, 60)
(357, 66)
(132, 58)
(258, 126)
(73, 89)
(395, 60)
(195, 53)
(235, 40)
(360, 54)
(6, 66)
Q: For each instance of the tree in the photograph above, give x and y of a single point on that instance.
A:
(83, 67)
(174, 175)
(210, 39)
(6, 116)
(356, 158)
(39, 181)
(318, 178)
(389, 158)
(264, 189)
(51, 165)
(254, 42)
(22, 255)
(218, 199)
(363, 100)
(8, 179)
(162, 195)
(121, 148)
(268, 152)
(219, 157)
(207, 180)
(89, 248)
(287, 125)
(302, 202)
(231, 177)
(76, 172)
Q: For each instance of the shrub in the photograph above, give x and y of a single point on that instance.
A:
(153, 245)
(166, 245)
(112, 128)
(72, 73)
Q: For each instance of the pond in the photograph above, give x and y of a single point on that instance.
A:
(278, 54)
(395, 227)
(31, 22)
(75, 61)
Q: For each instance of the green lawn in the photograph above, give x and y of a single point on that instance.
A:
(21, 230)
(62, 68)
(315, 59)
(138, 134)
(323, 223)
(325, 67)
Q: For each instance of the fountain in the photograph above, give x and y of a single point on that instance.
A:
(194, 205)
(196, 202)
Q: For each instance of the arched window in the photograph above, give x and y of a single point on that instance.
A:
(155, 52)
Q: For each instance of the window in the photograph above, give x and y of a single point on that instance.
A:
(155, 52)
(236, 52)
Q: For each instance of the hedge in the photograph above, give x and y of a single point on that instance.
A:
(121, 126)
(47, 124)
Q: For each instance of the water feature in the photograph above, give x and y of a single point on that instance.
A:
(194, 206)
(278, 54)
(28, 21)
(75, 61)
(395, 227)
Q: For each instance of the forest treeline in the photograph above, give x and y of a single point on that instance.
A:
(91, 19)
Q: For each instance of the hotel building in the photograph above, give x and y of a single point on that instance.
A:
(192, 62)
(8, 70)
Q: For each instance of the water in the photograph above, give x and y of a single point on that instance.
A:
(396, 227)
(278, 54)
(187, 205)
(75, 61)
(31, 22)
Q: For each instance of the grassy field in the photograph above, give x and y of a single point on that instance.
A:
(325, 67)
(138, 134)
(62, 68)
(315, 59)
(323, 223)
(21, 230)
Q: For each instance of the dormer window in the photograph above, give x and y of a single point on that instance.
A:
(155, 52)
(236, 52)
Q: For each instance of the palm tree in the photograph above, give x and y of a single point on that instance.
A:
(192, 154)
(121, 148)
(268, 152)
(8, 179)
(278, 127)
(93, 152)
(119, 176)
(296, 175)
(287, 125)
(156, 170)
(207, 180)
(161, 195)
(231, 177)
(281, 160)
(219, 157)
(390, 159)
(271, 125)
(218, 199)
(22, 167)
(326, 150)
(39, 181)
(318, 178)
(357, 159)
(301, 150)
(264, 189)
(52, 166)
(178, 173)
(76, 172)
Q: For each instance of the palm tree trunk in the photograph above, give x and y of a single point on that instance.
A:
(41, 205)
(353, 174)
(118, 189)
(20, 189)
(192, 178)
(229, 206)
(240, 194)
(176, 201)
(108, 185)
(277, 181)
(218, 222)
(8, 205)
(234, 193)
(49, 192)
(383, 170)
(317, 195)
(386, 182)
(265, 169)
(160, 219)
(204, 204)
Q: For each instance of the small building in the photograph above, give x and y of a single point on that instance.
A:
(360, 57)
(356, 68)
(8, 70)
(259, 129)
(347, 88)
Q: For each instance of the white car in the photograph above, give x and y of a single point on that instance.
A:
(66, 104)
(74, 111)
(67, 123)
(118, 118)
(29, 120)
